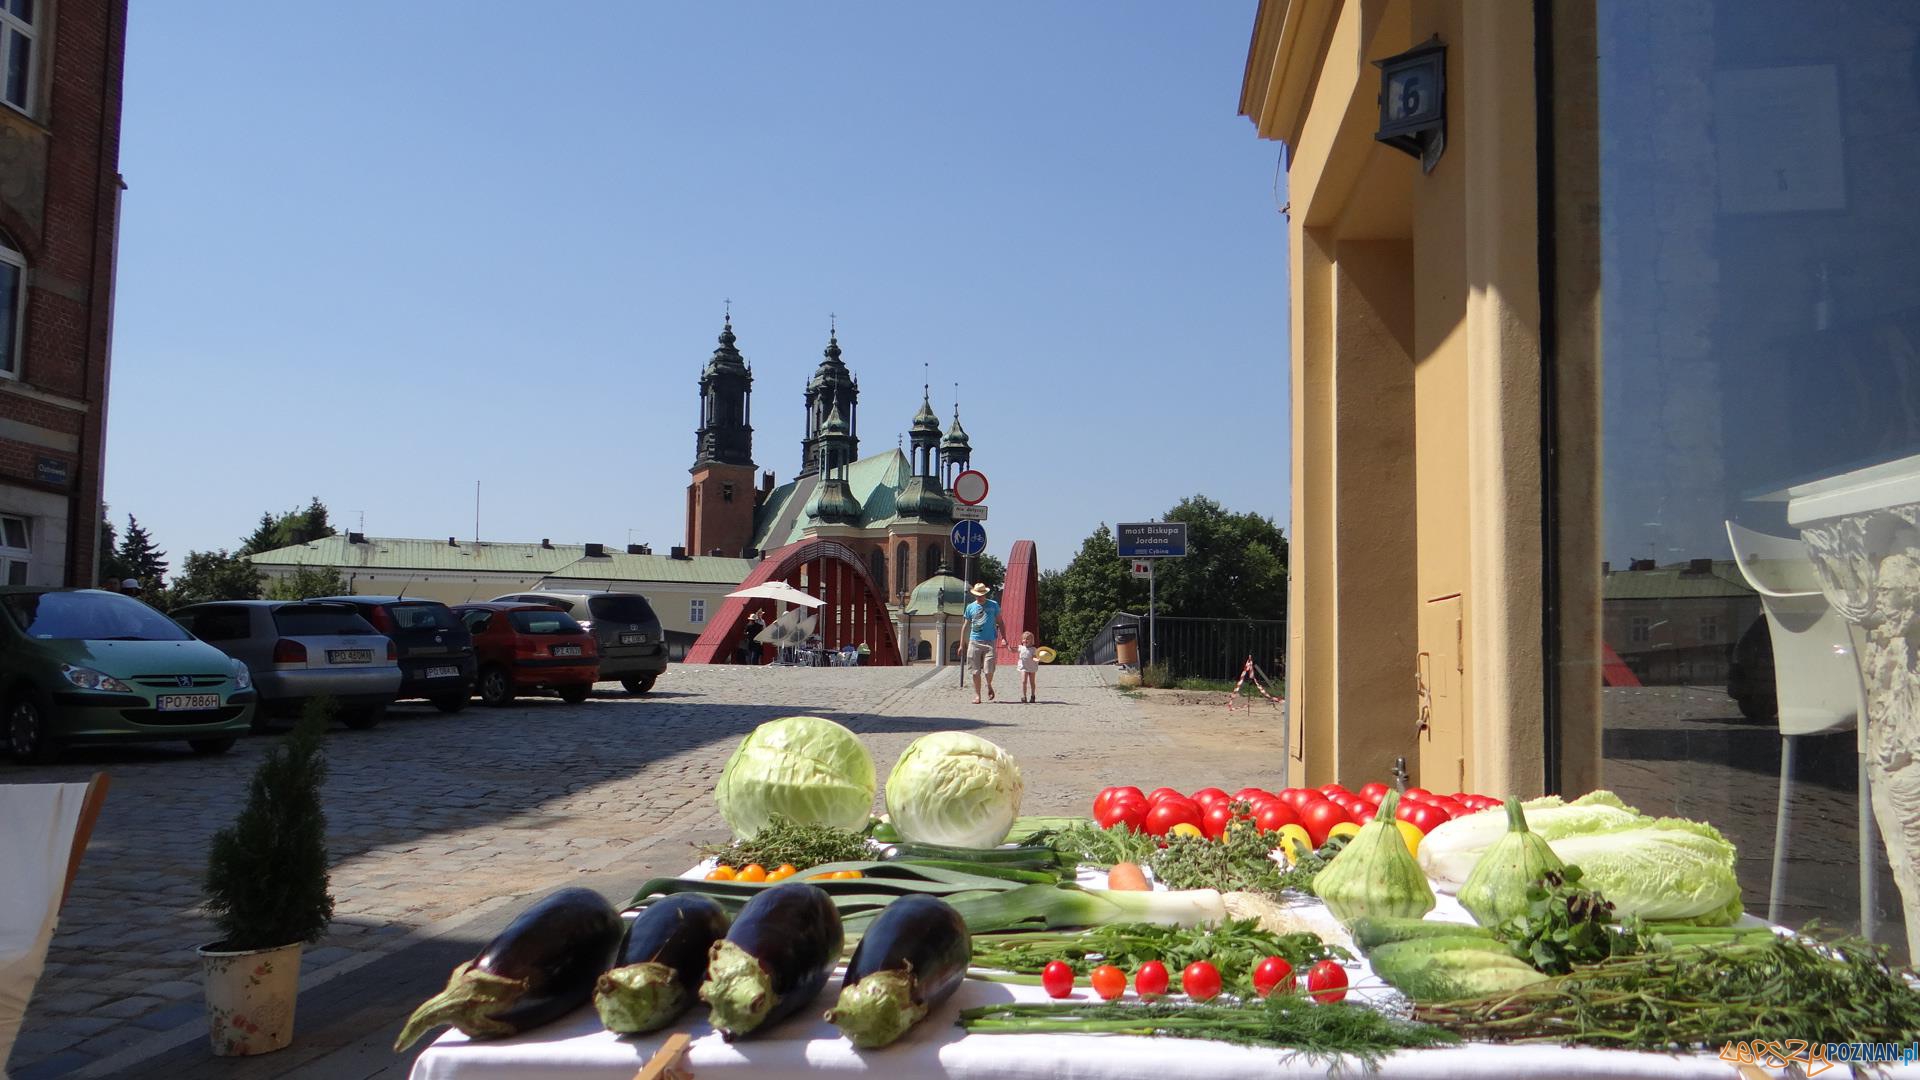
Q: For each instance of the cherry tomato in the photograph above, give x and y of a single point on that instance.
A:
(1373, 792)
(1207, 796)
(1219, 815)
(752, 872)
(1133, 815)
(1166, 814)
(1162, 792)
(1151, 980)
(1057, 977)
(721, 873)
(1108, 981)
(1327, 982)
(1331, 789)
(1274, 973)
(782, 872)
(1274, 815)
(1201, 981)
(1423, 816)
(1247, 793)
(1320, 817)
(1416, 794)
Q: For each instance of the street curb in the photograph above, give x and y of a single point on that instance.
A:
(181, 1034)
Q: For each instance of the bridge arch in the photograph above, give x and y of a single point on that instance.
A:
(855, 610)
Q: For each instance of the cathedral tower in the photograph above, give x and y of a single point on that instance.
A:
(720, 500)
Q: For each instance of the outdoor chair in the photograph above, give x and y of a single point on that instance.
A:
(47, 829)
(1816, 680)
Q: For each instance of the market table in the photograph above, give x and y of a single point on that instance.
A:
(578, 1048)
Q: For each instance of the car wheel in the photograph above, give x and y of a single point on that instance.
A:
(451, 703)
(575, 693)
(211, 746)
(29, 728)
(496, 687)
(363, 717)
(640, 685)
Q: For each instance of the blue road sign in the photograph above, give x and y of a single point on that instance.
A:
(969, 537)
(1151, 539)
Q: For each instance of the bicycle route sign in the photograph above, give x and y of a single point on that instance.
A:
(969, 537)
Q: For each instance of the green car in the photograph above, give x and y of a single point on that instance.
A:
(82, 665)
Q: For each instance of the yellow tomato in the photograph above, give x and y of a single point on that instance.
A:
(782, 872)
(1294, 842)
(849, 874)
(1412, 835)
(752, 872)
(1345, 828)
(721, 873)
(1184, 829)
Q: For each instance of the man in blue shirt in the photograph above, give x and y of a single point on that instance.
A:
(983, 632)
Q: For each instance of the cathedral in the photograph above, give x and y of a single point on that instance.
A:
(891, 507)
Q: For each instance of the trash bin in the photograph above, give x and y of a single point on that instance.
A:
(1126, 644)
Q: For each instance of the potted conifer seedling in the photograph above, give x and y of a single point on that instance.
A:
(266, 889)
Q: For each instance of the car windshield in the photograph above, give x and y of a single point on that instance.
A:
(544, 622)
(422, 617)
(89, 616)
(319, 620)
(626, 608)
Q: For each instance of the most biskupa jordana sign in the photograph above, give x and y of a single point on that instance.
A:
(1151, 539)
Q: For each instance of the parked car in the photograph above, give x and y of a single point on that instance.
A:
(633, 650)
(82, 665)
(525, 647)
(1750, 673)
(436, 651)
(303, 649)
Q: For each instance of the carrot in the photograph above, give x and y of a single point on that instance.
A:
(1127, 876)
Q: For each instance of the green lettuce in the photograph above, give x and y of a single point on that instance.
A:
(1449, 853)
(807, 769)
(956, 789)
(1670, 868)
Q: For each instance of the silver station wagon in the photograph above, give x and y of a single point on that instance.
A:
(303, 649)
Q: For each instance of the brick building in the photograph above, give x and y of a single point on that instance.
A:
(891, 508)
(60, 84)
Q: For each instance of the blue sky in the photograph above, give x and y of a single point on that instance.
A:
(375, 252)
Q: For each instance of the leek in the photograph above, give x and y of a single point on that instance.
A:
(1055, 907)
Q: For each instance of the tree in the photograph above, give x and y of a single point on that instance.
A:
(1235, 566)
(266, 883)
(296, 526)
(143, 560)
(213, 575)
(308, 581)
(989, 569)
(1052, 603)
(1094, 586)
(112, 567)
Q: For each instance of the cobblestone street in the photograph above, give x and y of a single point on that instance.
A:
(437, 821)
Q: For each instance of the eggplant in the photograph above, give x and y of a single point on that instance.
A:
(661, 964)
(776, 958)
(541, 967)
(913, 957)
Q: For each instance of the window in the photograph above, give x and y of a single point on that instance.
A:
(697, 611)
(1640, 629)
(220, 623)
(13, 296)
(877, 564)
(89, 616)
(726, 492)
(320, 620)
(900, 561)
(619, 607)
(1709, 629)
(544, 622)
(933, 562)
(16, 54)
(15, 548)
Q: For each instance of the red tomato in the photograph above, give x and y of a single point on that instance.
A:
(1416, 794)
(1108, 981)
(1356, 811)
(1246, 793)
(1131, 792)
(1319, 818)
(1151, 980)
(1294, 796)
(1274, 973)
(1207, 796)
(1100, 801)
(1373, 808)
(1452, 809)
(1274, 815)
(1423, 816)
(1166, 814)
(1201, 981)
(1131, 814)
(1329, 789)
(1327, 982)
(1215, 823)
(1057, 978)
(1162, 792)
(1459, 797)
(1373, 792)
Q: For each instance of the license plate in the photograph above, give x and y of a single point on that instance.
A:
(349, 656)
(442, 672)
(566, 650)
(186, 702)
(633, 639)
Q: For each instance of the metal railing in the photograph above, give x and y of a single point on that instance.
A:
(1200, 648)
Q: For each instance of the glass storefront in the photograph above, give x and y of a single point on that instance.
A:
(1759, 366)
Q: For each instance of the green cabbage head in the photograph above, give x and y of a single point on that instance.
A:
(954, 788)
(804, 768)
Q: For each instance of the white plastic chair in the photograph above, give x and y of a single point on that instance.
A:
(1816, 680)
(47, 829)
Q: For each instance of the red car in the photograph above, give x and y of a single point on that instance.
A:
(525, 647)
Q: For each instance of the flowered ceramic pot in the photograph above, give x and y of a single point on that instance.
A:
(250, 997)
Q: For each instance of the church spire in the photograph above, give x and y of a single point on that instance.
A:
(831, 388)
(725, 435)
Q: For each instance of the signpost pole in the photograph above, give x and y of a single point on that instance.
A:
(966, 630)
(1152, 637)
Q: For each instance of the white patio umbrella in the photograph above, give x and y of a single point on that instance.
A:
(781, 591)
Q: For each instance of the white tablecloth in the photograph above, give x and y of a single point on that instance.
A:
(578, 1048)
(36, 840)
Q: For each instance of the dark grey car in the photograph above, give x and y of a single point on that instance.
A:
(633, 650)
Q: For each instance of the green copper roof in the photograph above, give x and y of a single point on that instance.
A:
(956, 435)
(1674, 583)
(560, 560)
(834, 504)
(942, 594)
(924, 420)
(874, 481)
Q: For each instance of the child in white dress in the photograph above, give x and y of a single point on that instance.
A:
(1029, 666)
